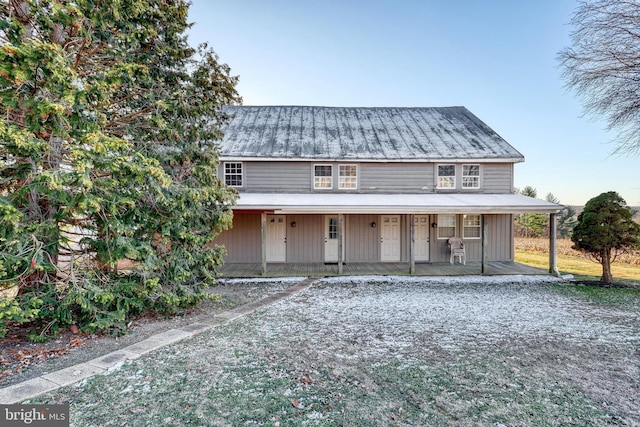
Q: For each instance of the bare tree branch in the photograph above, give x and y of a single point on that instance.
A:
(603, 66)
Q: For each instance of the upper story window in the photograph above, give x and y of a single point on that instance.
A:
(446, 226)
(348, 177)
(446, 176)
(233, 174)
(471, 226)
(470, 176)
(322, 177)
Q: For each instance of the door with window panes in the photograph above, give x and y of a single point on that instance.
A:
(331, 239)
(421, 237)
(276, 238)
(390, 238)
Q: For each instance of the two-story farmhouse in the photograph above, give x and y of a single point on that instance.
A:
(369, 185)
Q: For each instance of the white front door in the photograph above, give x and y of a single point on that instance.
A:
(331, 239)
(276, 238)
(421, 236)
(390, 238)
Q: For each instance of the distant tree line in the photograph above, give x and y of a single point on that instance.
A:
(537, 225)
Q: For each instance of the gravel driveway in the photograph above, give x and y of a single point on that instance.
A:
(392, 351)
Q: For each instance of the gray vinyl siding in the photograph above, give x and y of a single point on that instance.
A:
(405, 242)
(305, 242)
(362, 240)
(243, 241)
(497, 177)
(500, 244)
(500, 237)
(420, 177)
(396, 177)
(297, 177)
(278, 176)
(439, 251)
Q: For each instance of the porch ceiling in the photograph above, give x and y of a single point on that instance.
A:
(349, 203)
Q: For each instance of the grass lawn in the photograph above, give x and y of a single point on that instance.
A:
(579, 266)
(391, 351)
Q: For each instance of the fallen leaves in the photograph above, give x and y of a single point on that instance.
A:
(305, 379)
(17, 356)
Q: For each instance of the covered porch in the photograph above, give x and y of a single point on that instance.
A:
(351, 223)
(250, 270)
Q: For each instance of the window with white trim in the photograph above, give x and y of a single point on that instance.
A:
(446, 226)
(322, 177)
(470, 176)
(446, 176)
(471, 226)
(233, 174)
(348, 177)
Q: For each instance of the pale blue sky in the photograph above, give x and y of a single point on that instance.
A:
(498, 58)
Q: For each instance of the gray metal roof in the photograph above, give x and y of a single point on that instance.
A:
(382, 134)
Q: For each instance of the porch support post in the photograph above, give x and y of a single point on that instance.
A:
(485, 242)
(340, 234)
(553, 265)
(412, 248)
(263, 233)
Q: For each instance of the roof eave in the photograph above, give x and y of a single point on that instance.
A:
(398, 210)
(369, 160)
(393, 203)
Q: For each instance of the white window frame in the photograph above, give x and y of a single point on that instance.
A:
(322, 182)
(229, 176)
(347, 182)
(471, 181)
(446, 222)
(445, 181)
(471, 222)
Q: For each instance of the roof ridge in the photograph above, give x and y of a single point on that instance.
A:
(343, 107)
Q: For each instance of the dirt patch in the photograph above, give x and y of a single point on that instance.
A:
(600, 284)
(21, 359)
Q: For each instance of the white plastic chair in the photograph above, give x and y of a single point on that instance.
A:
(456, 246)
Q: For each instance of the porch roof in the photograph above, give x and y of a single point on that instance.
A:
(349, 203)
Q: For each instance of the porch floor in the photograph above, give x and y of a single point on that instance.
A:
(375, 269)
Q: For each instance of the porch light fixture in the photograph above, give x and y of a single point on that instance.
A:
(434, 225)
(293, 224)
(373, 224)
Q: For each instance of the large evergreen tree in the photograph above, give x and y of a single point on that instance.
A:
(605, 228)
(108, 129)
